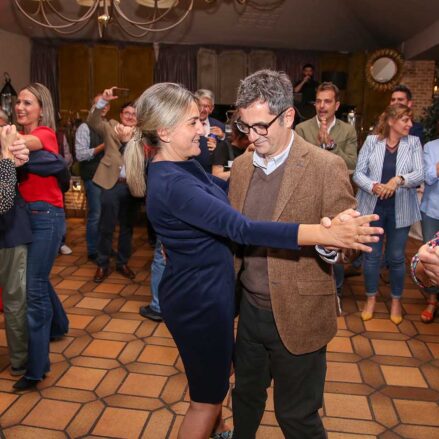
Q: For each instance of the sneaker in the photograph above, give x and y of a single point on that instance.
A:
(149, 313)
(65, 250)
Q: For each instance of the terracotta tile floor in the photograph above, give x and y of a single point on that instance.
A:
(117, 375)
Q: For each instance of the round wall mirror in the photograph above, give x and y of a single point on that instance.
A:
(384, 69)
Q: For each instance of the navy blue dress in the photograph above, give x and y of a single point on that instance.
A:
(192, 217)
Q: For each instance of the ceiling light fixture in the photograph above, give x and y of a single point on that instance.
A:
(162, 15)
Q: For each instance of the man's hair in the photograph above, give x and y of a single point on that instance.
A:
(307, 66)
(325, 86)
(127, 104)
(404, 89)
(205, 93)
(268, 86)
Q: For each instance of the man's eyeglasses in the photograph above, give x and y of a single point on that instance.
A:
(128, 114)
(259, 128)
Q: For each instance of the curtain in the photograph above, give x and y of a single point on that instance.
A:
(177, 64)
(44, 68)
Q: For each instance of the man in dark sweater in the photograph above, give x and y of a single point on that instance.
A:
(288, 306)
(89, 149)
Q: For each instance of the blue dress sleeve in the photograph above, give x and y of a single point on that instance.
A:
(224, 185)
(192, 204)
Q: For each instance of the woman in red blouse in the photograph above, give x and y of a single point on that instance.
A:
(45, 314)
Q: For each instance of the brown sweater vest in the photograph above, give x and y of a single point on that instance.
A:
(259, 206)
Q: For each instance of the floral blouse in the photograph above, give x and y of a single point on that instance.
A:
(8, 180)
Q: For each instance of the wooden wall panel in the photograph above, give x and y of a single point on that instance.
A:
(233, 68)
(208, 71)
(136, 70)
(105, 72)
(74, 78)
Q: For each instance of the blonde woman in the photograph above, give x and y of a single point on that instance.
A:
(193, 219)
(389, 169)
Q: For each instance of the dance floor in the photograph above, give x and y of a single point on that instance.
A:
(118, 375)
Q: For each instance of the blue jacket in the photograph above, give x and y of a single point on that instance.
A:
(15, 227)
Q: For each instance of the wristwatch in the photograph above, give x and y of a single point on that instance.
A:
(401, 180)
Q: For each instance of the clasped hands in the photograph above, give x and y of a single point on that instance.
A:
(13, 145)
(123, 132)
(386, 190)
(350, 230)
(429, 256)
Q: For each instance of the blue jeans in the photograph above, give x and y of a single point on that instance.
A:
(396, 240)
(429, 227)
(157, 268)
(45, 314)
(93, 192)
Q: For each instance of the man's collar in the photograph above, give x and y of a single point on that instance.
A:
(271, 164)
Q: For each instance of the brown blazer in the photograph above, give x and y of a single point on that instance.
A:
(108, 171)
(302, 289)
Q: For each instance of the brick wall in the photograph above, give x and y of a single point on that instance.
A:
(419, 77)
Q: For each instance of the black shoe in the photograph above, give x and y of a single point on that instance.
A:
(25, 384)
(57, 337)
(92, 257)
(126, 271)
(101, 274)
(149, 313)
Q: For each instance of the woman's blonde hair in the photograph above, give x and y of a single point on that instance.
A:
(161, 106)
(44, 98)
(396, 111)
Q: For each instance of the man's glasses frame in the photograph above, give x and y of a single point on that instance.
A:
(258, 128)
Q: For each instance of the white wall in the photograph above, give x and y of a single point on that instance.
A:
(15, 58)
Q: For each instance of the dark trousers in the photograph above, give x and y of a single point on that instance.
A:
(298, 379)
(117, 206)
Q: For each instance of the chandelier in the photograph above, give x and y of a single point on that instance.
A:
(161, 15)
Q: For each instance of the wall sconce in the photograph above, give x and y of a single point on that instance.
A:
(7, 96)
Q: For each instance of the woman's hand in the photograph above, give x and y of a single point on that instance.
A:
(429, 257)
(393, 183)
(377, 188)
(386, 191)
(349, 230)
(7, 138)
(108, 94)
(20, 151)
(14, 145)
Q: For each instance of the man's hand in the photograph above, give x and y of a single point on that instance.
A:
(323, 132)
(217, 131)
(437, 169)
(123, 132)
(108, 94)
(211, 144)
